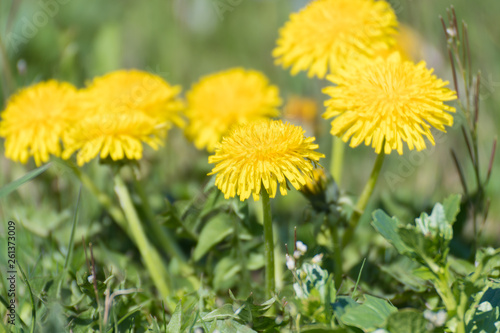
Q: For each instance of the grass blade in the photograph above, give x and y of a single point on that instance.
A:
(24, 179)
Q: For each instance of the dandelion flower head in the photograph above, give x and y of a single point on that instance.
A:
(123, 110)
(389, 100)
(34, 120)
(327, 34)
(226, 98)
(258, 155)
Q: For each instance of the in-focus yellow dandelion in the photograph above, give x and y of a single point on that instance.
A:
(388, 99)
(328, 33)
(223, 99)
(123, 110)
(34, 120)
(262, 154)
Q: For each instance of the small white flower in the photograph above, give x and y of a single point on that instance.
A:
(90, 278)
(317, 258)
(301, 247)
(437, 319)
(451, 31)
(297, 254)
(290, 262)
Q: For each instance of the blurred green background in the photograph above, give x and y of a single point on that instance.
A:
(181, 40)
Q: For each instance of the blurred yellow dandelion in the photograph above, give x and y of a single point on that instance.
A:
(388, 99)
(126, 90)
(223, 99)
(262, 154)
(328, 33)
(34, 120)
(122, 110)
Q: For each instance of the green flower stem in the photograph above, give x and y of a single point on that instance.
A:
(113, 210)
(268, 244)
(163, 237)
(337, 159)
(149, 254)
(337, 252)
(363, 200)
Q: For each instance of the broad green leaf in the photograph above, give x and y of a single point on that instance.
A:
(484, 312)
(321, 329)
(370, 315)
(402, 269)
(225, 312)
(342, 304)
(408, 321)
(452, 207)
(24, 179)
(175, 324)
(225, 272)
(388, 228)
(218, 228)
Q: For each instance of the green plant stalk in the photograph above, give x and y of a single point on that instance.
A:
(337, 159)
(115, 212)
(363, 200)
(71, 244)
(151, 258)
(337, 253)
(161, 234)
(268, 243)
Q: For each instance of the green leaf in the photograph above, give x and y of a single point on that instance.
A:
(24, 179)
(225, 272)
(175, 324)
(218, 228)
(225, 312)
(452, 207)
(342, 304)
(370, 315)
(408, 321)
(388, 228)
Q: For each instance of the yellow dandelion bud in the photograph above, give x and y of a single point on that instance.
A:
(388, 99)
(123, 110)
(328, 33)
(34, 120)
(223, 99)
(262, 154)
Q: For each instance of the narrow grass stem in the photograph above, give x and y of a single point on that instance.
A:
(363, 200)
(337, 159)
(151, 258)
(268, 243)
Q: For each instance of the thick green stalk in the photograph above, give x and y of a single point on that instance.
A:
(363, 200)
(115, 212)
(151, 258)
(268, 244)
(337, 252)
(337, 159)
(163, 237)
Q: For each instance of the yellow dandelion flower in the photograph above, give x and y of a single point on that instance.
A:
(137, 90)
(315, 185)
(328, 33)
(123, 110)
(263, 153)
(34, 120)
(388, 99)
(301, 109)
(115, 135)
(223, 99)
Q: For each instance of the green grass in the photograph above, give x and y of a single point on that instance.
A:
(218, 281)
